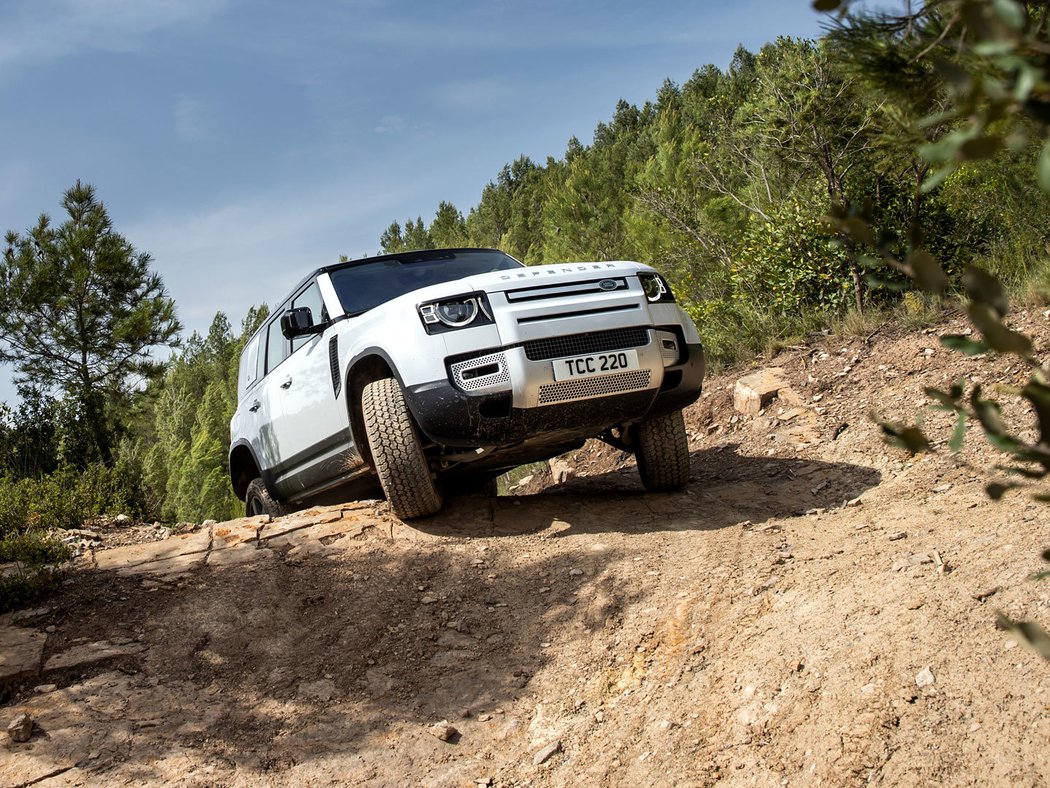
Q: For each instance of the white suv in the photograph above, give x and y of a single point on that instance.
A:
(445, 368)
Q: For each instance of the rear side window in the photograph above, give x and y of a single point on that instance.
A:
(276, 346)
(249, 371)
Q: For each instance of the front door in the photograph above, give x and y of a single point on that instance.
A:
(313, 428)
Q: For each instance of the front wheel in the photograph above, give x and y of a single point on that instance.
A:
(396, 451)
(257, 500)
(662, 451)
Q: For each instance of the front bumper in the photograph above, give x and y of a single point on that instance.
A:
(511, 404)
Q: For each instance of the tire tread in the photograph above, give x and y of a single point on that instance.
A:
(663, 452)
(396, 451)
(272, 507)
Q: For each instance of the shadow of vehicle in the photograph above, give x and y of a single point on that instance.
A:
(726, 488)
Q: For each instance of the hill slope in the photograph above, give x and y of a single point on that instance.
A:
(815, 608)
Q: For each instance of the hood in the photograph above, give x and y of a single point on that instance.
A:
(520, 278)
(553, 274)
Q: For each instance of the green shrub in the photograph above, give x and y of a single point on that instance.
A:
(790, 261)
(24, 589)
(31, 574)
(31, 509)
(734, 330)
(34, 549)
(66, 498)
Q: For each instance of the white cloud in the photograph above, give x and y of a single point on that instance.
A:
(480, 93)
(192, 119)
(35, 30)
(232, 256)
(399, 125)
(391, 124)
(488, 30)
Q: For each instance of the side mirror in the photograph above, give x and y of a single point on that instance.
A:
(298, 322)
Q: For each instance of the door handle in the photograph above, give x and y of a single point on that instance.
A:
(255, 406)
(287, 383)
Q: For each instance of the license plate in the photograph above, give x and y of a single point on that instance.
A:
(595, 364)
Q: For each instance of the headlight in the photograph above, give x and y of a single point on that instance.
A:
(656, 288)
(458, 312)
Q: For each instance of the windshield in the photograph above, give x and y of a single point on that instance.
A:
(362, 286)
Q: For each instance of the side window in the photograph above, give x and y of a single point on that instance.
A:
(249, 372)
(310, 297)
(276, 346)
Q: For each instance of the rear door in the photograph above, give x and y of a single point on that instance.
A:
(251, 415)
(266, 401)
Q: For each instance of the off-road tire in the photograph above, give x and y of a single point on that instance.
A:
(257, 500)
(662, 451)
(396, 452)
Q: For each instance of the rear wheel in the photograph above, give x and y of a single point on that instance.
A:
(257, 501)
(396, 451)
(662, 451)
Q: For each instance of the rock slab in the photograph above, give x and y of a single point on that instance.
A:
(90, 654)
(130, 557)
(21, 653)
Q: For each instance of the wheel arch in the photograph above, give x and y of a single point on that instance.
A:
(368, 366)
(243, 467)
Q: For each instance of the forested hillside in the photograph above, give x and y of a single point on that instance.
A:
(769, 192)
(725, 182)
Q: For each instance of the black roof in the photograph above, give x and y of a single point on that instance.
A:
(414, 256)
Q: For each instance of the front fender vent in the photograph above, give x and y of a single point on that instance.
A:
(333, 363)
(482, 375)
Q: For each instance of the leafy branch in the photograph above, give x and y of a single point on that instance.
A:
(994, 56)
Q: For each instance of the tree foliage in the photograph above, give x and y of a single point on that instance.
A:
(995, 59)
(183, 443)
(722, 183)
(80, 313)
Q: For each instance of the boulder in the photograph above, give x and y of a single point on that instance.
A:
(561, 471)
(755, 391)
(20, 729)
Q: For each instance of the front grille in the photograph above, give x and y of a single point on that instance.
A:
(549, 317)
(581, 344)
(594, 387)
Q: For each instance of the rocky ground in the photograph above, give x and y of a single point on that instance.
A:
(816, 608)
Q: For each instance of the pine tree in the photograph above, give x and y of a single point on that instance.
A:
(80, 311)
(448, 230)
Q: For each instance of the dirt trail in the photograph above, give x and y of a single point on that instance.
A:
(765, 627)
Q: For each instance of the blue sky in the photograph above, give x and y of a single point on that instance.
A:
(243, 142)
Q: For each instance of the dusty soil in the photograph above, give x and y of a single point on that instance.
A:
(765, 627)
